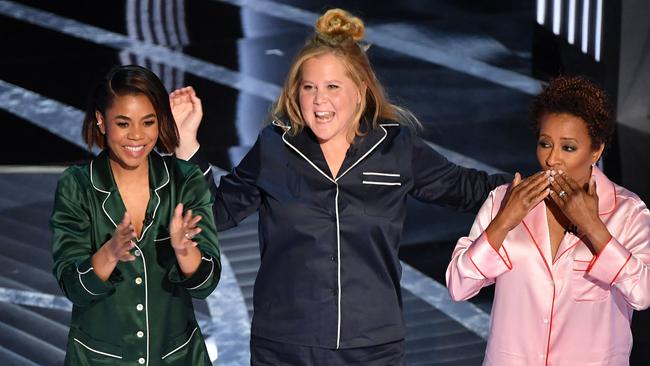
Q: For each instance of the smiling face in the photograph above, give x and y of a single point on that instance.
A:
(564, 144)
(131, 130)
(329, 99)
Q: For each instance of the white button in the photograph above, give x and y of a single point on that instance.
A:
(138, 280)
(137, 253)
(140, 334)
(141, 361)
(545, 321)
(139, 307)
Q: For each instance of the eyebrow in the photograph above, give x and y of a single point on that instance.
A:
(326, 81)
(121, 116)
(568, 138)
(561, 138)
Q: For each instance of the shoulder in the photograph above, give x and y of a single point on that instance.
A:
(76, 175)
(180, 168)
(272, 133)
(74, 181)
(398, 132)
(498, 194)
(628, 200)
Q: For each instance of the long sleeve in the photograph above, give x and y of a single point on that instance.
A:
(475, 263)
(195, 195)
(72, 248)
(237, 195)
(437, 180)
(624, 262)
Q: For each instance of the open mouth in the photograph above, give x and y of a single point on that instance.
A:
(135, 148)
(324, 116)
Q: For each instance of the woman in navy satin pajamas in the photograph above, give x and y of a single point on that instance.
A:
(330, 178)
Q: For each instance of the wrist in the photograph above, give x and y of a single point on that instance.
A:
(187, 149)
(499, 223)
(106, 254)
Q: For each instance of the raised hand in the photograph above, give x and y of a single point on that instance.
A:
(188, 112)
(580, 206)
(183, 228)
(522, 196)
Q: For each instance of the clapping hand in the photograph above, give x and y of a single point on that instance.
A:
(183, 228)
(120, 244)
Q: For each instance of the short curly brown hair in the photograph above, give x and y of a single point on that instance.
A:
(580, 97)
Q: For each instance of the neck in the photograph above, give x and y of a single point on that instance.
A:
(559, 216)
(126, 176)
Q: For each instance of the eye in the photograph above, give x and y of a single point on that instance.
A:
(332, 86)
(569, 148)
(544, 144)
(307, 87)
(149, 123)
(122, 124)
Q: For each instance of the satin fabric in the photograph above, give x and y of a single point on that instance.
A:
(330, 272)
(143, 314)
(574, 309)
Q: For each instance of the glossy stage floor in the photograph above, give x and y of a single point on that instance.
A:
(463, 67)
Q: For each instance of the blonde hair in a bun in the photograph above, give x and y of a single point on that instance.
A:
(339, 25)
(338, 33)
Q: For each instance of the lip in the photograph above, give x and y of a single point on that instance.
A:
(328, 119)
(135, 151)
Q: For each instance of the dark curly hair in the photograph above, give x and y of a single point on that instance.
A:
(580, 97)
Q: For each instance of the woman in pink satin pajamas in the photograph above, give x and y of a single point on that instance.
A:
(567, 249)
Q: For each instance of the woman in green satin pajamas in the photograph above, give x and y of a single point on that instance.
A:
(134, 238)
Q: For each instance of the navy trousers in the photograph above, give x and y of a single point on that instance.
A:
(266, 352)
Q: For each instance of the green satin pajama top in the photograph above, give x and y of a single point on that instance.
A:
(143, 314)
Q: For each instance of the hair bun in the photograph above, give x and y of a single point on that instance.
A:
(338, 25)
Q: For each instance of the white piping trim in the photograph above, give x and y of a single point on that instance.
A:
(336, 207)
(182, 345)
(82, 282)
(381, 174)
(105, 192)
(366, 154)
(389, 125)
(207, 171)
(304, 157)
(161, 239)
(382, 183)
(207, 278)
(144, 262)
(86, 271)
(157, 204)
(146, 296)
(338, 267)
(194, 153)
(96, 351)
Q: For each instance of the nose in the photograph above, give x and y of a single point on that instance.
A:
(553, 158)
(135, 132)
(319, 97)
